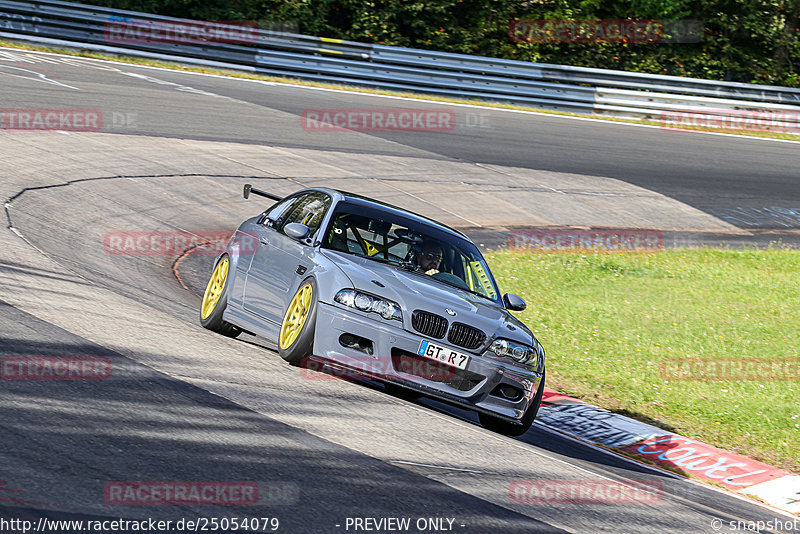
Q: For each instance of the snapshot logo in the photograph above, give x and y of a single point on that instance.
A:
(638, 31)
(732, 119)
(614, 240)
(378, 120)
(125, 30)
(171, 243)
(55, 368)
(584, 492)
(65, 119)
(770, 525)
(363, 368)
(733, 369)
(180, 493)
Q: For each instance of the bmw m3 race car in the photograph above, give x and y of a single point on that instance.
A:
(376, 290)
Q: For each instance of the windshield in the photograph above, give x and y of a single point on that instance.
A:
(407, 244)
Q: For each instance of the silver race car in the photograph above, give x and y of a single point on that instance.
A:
(372, 289)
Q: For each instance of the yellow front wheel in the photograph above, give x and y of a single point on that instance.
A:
(296, 338)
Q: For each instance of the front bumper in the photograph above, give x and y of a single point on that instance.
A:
(391, 355)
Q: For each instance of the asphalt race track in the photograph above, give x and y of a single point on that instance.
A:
(183, 404)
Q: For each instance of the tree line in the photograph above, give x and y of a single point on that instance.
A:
(752, 41)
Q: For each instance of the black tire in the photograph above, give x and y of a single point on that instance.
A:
(500, 426)
(303, 345)
(214, 321)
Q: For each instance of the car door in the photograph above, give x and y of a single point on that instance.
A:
(279, 259)
(260, 230)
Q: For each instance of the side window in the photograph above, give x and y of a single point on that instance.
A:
(276, 213)
(309, 210)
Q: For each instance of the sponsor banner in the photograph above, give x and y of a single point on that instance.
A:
(639, 31)
(731, 369)
(585, 492)
(378, 120)
(594, 424)
(731, 470)
(64, 119)
(124, 30)
(732, 119)
(55, 368)
(561, 239)
(175, 242)
(783, 493)
(739, 473)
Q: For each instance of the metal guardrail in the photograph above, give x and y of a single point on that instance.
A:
(565, 88)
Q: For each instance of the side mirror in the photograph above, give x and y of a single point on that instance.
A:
(246, 192)
(513, 302)
(297, 231)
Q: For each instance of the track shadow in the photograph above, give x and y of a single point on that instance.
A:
(66, 442)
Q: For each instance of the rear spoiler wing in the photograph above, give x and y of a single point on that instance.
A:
(248, 189)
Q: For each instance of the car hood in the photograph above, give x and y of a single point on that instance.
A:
(415, 291)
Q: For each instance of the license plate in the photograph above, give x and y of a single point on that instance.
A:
(443, 354)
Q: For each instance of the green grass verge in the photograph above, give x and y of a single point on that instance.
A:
(608, 320)
(234, 74)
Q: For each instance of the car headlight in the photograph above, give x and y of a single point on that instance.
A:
(516, 351)
(369, 303)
